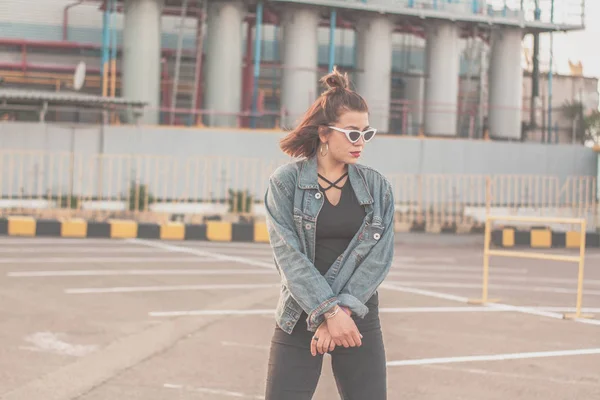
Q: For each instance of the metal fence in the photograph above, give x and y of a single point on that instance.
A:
(451, 201)
(147, 186)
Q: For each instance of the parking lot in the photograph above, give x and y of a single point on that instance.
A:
(137, 319)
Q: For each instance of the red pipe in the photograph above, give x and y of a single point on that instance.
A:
(66, 18)
(247, 77)
(24, 58)
(43, 67)
(50, 44)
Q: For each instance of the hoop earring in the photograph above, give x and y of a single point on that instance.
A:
(326, 149)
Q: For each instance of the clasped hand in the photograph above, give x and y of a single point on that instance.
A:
(340, 330)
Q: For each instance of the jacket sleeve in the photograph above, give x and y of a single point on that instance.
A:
(374, 268)
(306, 284)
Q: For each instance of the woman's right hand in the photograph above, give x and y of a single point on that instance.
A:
(343, 330)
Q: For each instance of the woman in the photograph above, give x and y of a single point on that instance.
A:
(330, 223)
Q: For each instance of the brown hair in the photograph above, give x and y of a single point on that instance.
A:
(303, 141)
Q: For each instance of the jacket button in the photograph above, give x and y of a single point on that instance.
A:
(308, 226)
(376, 236)
(318, 196)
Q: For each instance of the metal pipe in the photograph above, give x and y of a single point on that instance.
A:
(550, 73)
(47, 44)
(178, 56)
(44, 67)
(105, 52)
(247, 78)
(535, 74)
(332, 25)
(165, 91)
(24, 58)
(65, 35)
(197, 96)
(257, 56)
(113, 57)
(51, 44)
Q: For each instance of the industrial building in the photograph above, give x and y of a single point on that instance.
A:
(449, 68)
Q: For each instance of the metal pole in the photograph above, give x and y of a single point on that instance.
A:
(199, 52)
(470, 55)
(257, 56)
(113, 61)
(486, 260)
(332, 26)
(105, 44)
(483, 68)
(550, 71)
(535, 74)
(581, 266)
(178, 59)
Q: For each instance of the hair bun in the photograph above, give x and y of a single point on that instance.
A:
(335, 80)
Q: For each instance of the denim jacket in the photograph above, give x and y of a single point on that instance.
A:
(293, 201)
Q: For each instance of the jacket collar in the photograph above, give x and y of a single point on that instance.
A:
(308, 179)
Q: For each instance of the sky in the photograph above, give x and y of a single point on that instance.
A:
(575, 46)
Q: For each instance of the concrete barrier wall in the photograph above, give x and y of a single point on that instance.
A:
(388, 153)
(201, 165)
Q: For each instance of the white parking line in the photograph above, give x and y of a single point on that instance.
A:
(424, 259)
(383, 310)
(495, 357)
(499, 278)
(566, 309)
(80, 260)
(204, 244)
(145, 272)
(509, 288)
(192, 313)
(73, 250)
(506, 307)
(512, 376)
(201, 253)
(443, 268)
(36, 241)
(218, 392)
(424, 292)
(136, 289)
(235, 251)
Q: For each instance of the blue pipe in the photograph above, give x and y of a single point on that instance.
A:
(105, 38)
(332, 26)
(257, 49)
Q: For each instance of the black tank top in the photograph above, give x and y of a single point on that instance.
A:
(336, 226)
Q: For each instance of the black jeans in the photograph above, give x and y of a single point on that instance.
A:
(360, 372)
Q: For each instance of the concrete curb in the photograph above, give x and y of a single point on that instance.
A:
(217, 231)
(542, 238)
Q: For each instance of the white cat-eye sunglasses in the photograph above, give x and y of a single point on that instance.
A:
(354, 135)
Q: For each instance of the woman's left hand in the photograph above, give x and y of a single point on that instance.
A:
(324, 343)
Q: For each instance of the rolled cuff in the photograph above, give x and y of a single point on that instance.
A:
(315, 318)
(355, 305)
